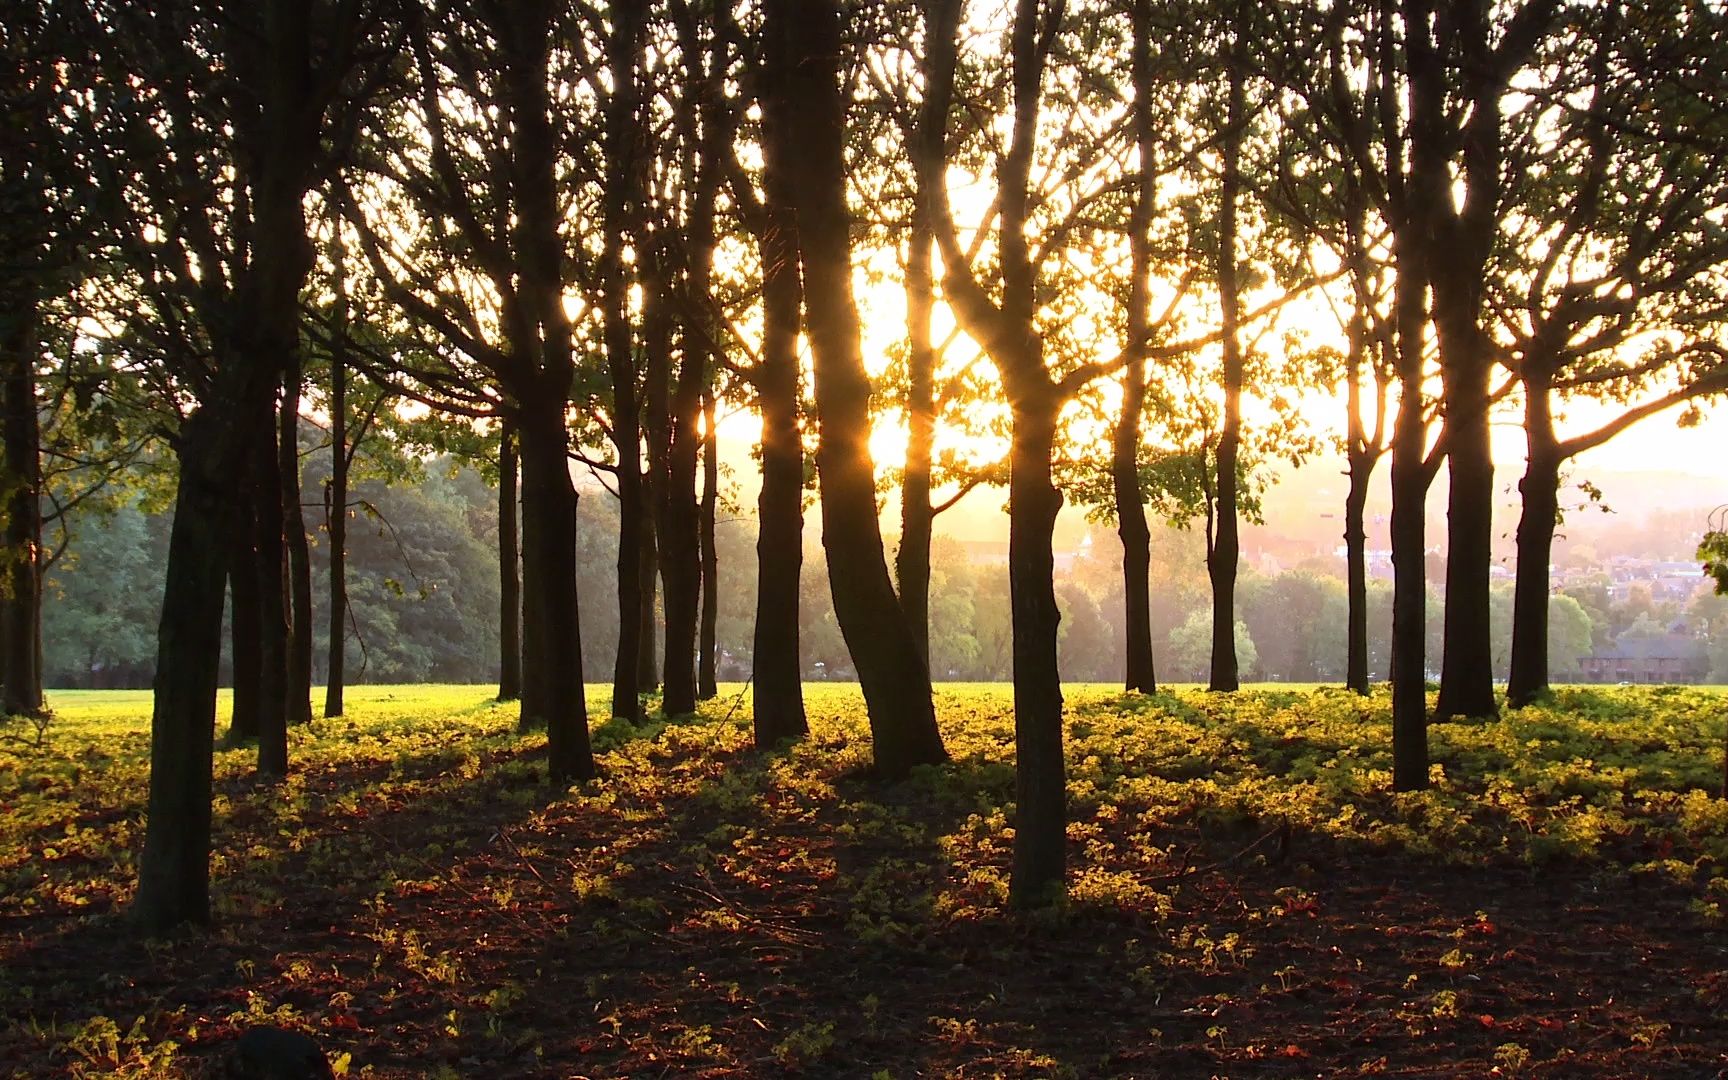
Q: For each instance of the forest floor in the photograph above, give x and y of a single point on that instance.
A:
(1247, 898)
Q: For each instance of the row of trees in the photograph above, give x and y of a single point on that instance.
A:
(569, 231)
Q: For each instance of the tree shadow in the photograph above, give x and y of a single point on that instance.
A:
(707, 908)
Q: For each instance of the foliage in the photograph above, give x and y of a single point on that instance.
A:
(1241, 871)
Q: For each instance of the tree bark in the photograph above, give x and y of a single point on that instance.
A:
(244, 633)
(775, 671)
(271, 568)
(657, 398)
(1527, 680)
(299, 688)
(619, 197)
(806, 135)
(21, 485)
(23, 267)
(336, 493)
(648, 656)
(1224, 551)
(1409, 557)
(1131, 526)
(679, 530)
(174, 870)
(1467, 660)
(1356, 574)
(538, 369)
(707, 639)
(1415, 194)
(917, 519)
(553, 636)
(509, 569)
(1040, 777)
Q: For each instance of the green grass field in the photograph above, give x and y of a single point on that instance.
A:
(1247, 897)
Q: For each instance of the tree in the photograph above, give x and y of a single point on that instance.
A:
(26, 271)
(622, 198)
(497, 217)
(1613, 289)
(1459, 99)
(1191, 646)
(776, 665)
(216, 314)
(804, 134)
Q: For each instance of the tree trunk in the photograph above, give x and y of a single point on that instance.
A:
(255, 337)
(707, 643)
(1417, 196)
(23, 240)
(648, 559)
(1040, 781)
(266, 493)
(553, 635)
(1225, 550)
(1540, 487)
(680, 561)
(174, 870)
(1356, 574)
(336, 493)
(806, 141)
(1131, 525)
(509, 570)
(21, 484)
(775, 672)
(619, 198)
(657, 398)
(1467, 660)
(912, 561)
(1410, 480)
(244, 632)
(299, 689)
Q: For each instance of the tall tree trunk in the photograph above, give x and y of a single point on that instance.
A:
(538, 369)
(509, 569)
(917, 520)
(680, 521)
(1467, 228)
(299, 688)
(1225, 550)
(266, 493)
(1131, 525)
(707, 639)
(257, 334)
(23, 266)
(1467, 660)
(1416, 196)
(648, 559)
(806, 140)
(1356, 573)
(336, 492)
(620, 195)
(1362, 451)
(1040, 779)
(174, 870)
(244, 633)
(778, 706)
(1410, 479)
(680, 548)
(21, 489)
(1540, 487)
(553, 657)
(657, 400)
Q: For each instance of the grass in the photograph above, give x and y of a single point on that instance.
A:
(1247, 896)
